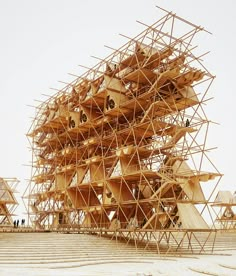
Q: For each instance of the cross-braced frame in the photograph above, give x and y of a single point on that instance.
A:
(123, 147)
(8, 201)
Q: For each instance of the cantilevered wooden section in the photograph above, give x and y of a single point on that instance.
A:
(225, 209)
(8, 202)
(122, 148)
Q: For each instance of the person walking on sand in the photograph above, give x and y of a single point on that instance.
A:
(17, 223)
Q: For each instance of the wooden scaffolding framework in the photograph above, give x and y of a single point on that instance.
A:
(122, 148)
(224, 207)
(8, 202)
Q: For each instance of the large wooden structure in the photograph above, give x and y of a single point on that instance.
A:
(123, 147)
(225, 209)
(8, 201)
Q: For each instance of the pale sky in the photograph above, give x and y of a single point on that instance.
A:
(42, 41)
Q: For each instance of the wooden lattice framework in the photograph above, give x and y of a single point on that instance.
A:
(123, 147)
(224, 207)
(8, 201)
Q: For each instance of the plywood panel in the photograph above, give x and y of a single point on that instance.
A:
(120, 191)
(193, 190)
(190, 217)
(97, 172)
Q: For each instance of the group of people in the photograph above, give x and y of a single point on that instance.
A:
(17, 222)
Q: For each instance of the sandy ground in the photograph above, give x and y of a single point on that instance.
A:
(55, 254)
(210, 265)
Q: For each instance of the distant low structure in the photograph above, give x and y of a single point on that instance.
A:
(123, 147)
(225, 209)
(8, 202)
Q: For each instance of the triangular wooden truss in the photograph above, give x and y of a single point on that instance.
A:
(225, 209)
(8, 202)
(124, 145)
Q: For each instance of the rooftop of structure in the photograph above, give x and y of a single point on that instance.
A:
(129, 46)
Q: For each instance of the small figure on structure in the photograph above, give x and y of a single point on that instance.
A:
(17, 223)
(143, 222)
(187, 124)
(22, 222)
(14, 222)
(179, 224)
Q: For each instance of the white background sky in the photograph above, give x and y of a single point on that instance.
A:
(42, 41)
